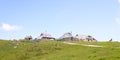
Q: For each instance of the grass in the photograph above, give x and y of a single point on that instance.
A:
(57, 50)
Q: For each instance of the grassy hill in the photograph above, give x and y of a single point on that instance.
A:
(57, 50)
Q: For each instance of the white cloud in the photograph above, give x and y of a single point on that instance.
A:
(8, 27)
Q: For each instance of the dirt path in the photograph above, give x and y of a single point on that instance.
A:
(70, 43)
(92, 45)
(82, 44)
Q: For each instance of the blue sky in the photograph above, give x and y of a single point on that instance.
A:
(99, 18)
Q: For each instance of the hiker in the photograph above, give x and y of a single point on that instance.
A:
(110, 40)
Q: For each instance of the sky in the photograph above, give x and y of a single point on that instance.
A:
(98, 18)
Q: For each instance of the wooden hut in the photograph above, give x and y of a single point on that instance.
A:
(66, 36)
(45, 36)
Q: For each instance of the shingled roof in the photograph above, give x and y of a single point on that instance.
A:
(45, 36)
(84, 37)
(66, 36)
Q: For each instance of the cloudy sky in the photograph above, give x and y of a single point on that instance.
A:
(99, 18)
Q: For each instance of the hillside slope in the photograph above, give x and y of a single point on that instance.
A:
(57, 50)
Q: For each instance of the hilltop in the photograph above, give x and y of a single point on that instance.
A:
(58, 50)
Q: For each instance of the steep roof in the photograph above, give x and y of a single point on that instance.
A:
(44, 35)
(66, 35)
(78, 36)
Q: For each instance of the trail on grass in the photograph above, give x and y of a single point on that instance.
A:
(83, 44)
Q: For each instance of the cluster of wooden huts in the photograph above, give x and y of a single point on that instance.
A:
(66, 36)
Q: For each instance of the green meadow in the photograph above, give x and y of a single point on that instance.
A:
(57, 50)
